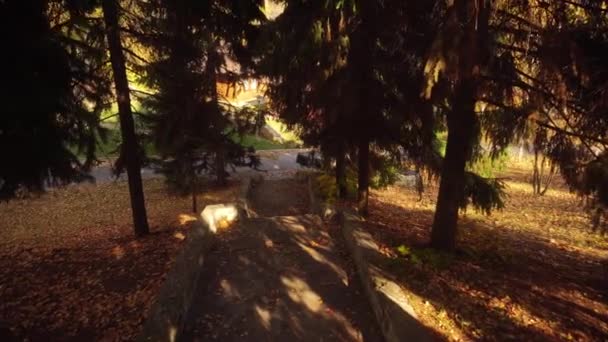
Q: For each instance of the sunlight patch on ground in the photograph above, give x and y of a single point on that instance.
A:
(172, 334)
(291, 223)
(322, 259)
(229, 290)
(185, 219)
(118, 252)
(299, 292)
(268, 242)
(364, 240)
(526, 188)
(263, 316)
(530, 271)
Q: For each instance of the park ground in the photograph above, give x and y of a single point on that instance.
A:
(70, 268)
(535, 271)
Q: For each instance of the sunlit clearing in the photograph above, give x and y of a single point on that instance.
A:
(263, 316)
(526, 188)
(179, 236)
(185, 219)
(118, 252)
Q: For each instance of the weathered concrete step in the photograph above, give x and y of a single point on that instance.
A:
(278, 279)
(284, 197)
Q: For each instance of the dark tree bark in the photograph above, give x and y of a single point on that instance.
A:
(363, 46)
(363, 186)
(341, 171)
(127, 125)
(220, 167)
(212, 69)
(194, 193)
(461, 125)
(536, 174)
(472, 17)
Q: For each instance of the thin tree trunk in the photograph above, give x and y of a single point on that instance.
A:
(220, 167)
(363, 188)
(212, 68)
(536, 174)
(461, 123)
(548, 179)
(127, 125)
(194, 192)
(341, 171)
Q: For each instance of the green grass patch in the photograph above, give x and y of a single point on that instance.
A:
(260, 144)
(287, 134)
(109, 147)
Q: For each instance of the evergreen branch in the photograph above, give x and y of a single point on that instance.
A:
(580, 136)
(135, 55)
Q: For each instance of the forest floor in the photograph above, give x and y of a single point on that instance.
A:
(71, 268)
(535, 271)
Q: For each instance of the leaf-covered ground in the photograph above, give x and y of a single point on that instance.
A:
(534, 271)
(71, 269)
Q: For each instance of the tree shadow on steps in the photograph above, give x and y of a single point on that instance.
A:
(279, 279)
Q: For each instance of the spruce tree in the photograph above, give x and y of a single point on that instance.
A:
(339, 88)
(192, 43)
(499, 68)
(52, 95)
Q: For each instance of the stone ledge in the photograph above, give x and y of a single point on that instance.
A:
(166, 318)
(396, 317)
(165, 321)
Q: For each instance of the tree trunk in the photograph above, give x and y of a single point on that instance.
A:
(462, 119)
(341, 171)
(220, 167)
(461, 123)
(536, 175)
(363, 188)
(127, 125)
(194, 193)
(212, 69)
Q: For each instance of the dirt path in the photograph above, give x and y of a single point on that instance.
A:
(281, 197)
(279, 279)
